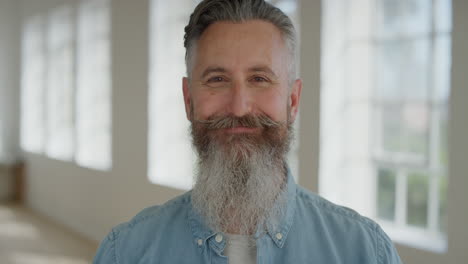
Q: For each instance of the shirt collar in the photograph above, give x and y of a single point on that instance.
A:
(277, 232)
(199, 229)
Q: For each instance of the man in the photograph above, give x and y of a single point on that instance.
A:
(241, 97)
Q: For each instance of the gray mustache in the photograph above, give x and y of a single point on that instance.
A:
(229, 121)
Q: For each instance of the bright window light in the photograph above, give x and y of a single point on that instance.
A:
(93, 95)
(60, 99)
(33, 82)
(171, 159)
(384, 117)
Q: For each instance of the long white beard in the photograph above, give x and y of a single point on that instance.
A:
(236, 188)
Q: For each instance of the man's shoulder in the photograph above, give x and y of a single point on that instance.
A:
(157, 215)
(335, 226)
(319, 207)
(148, 233)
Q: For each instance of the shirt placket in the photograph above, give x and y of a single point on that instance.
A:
(217, 243)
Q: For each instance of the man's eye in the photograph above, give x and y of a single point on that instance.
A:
(259, 79)
(215, 79)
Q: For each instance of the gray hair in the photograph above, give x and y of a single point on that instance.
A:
(210, 11)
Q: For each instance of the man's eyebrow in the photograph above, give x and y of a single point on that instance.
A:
(264, 69)
(213, 69)
(218, 69)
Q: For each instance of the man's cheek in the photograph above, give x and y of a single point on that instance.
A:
(208, 106)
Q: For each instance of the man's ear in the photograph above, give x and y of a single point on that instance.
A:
(294, 98)
(187, 97)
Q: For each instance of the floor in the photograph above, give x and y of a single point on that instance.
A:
(27, 238)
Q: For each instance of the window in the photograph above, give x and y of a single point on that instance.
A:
(385, 94)
(93, 95)
(66, 92)
(33, 82)
(60, 137)
(171, 158)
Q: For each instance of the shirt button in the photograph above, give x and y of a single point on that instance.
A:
(219, 238)
(279, 236)
(199, 242)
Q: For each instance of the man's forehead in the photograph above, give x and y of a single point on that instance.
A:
(256, 45)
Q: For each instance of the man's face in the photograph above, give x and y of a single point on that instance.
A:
(241, 69)
(241, 107)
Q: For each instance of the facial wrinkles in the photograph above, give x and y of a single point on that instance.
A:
(287, 74)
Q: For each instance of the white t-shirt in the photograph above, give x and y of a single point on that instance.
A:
(240, 249)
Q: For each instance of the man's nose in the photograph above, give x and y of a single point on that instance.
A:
(240, 101)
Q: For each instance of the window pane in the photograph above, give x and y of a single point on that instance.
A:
(441, 68)
(60, 85)
(405, 129)
(386, 191)
(417, 15)
(392, 130)
(403, 70)
(418, 190)
(93, 86)
(404, 17)
(443, 15)
(416, 124)
(33, 86)
(390, 21)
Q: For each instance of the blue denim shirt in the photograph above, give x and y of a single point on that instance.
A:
(313, 230)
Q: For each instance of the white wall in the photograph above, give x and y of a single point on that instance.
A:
(92, 201)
